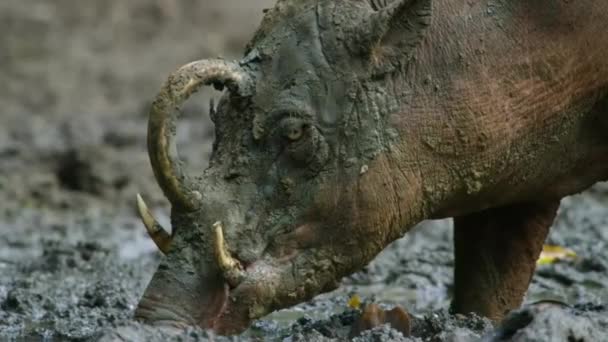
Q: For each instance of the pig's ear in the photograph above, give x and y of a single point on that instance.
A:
(394, 29)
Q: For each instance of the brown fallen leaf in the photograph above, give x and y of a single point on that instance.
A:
(373, 316)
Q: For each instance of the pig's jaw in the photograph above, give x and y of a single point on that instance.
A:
(160, 314)
(179, 298)
(232, 315)
(227, 312)
(216, 307)
(161, 311)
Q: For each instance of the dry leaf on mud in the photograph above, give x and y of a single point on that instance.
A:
(552, 254)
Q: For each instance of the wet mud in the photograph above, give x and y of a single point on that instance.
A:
(74, 258)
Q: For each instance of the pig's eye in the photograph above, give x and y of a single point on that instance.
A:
(293, 128)
(305, 144)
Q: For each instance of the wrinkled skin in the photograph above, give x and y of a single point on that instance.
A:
(356, 131)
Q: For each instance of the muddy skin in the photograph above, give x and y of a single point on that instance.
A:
(355, 120)
(74, 259)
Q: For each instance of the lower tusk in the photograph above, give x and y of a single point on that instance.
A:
(231, 268)
(224, 259)
(159, 235)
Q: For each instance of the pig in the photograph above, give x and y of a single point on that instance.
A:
(347, 122)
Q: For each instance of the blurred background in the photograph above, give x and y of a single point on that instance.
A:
(65, 57)
(77, 77)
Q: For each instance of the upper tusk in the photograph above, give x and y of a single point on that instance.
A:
(232, 269)
(159, 235)
(172, 177)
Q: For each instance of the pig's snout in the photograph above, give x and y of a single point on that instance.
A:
(162, 314)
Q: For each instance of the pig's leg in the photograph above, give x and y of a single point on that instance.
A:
(496, 252)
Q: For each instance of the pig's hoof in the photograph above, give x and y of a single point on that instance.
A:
(373, 316)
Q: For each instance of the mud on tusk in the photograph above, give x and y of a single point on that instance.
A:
(159, 235)
(231, 268)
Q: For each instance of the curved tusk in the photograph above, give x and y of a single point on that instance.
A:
(224, 259)
(159, 235)
(231, 268)
(176, 184)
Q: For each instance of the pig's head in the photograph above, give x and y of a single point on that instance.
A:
(297, 193)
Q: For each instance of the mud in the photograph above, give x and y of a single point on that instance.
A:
(74, 258)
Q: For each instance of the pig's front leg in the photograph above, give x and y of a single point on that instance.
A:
(496, 252)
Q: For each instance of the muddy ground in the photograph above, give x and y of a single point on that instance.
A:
(77, 79)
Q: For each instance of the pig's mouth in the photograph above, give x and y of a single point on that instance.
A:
(219, 316)
(162, 314)
(168, 311)
(226, 302)
(226, 312)
(226, 295)
(172, 316)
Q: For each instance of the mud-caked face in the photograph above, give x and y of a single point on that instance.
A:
(277, 157)
(281, 142)
(283, 211)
